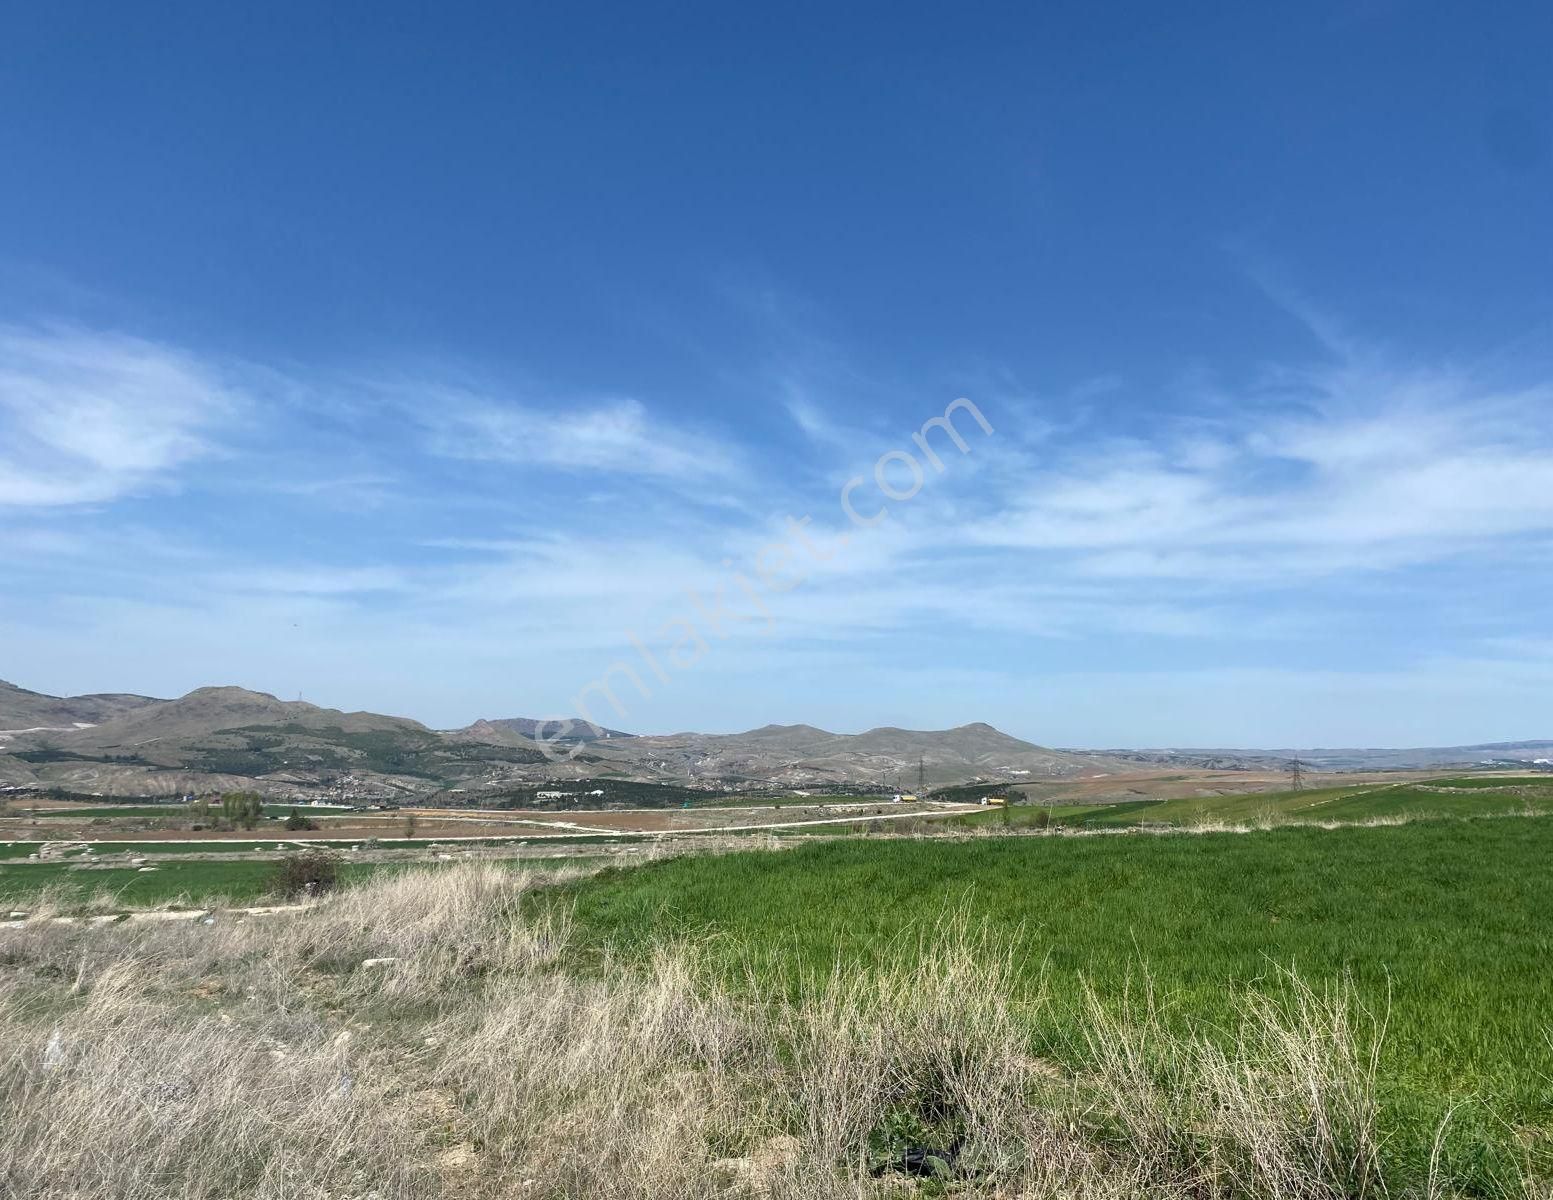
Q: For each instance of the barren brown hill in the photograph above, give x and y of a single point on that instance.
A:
(218, 738)
(24, 710)
(214, 709)
(799, 755)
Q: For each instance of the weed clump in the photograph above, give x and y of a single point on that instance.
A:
(310, 873)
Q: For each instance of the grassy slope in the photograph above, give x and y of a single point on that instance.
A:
(1452, 920)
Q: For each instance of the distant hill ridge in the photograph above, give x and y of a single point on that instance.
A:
(221, 737)
(528, 727)
(21, 709)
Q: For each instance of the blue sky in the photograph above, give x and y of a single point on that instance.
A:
(449, 362)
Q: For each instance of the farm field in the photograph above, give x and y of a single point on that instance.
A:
(784, 800)
(1446, 924)
(1441, 927)
(139, 849)
(240, 882)
(1492, 782)
(284, 842)
(200, 882)
(58, 811)
(1489, 796)
(63, 823)
(1439, 922)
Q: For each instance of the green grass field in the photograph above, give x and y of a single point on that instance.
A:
(238, 881)
(109, 810)
(1449, 923)
(1545, 780)
(1032, 813)
(112, 849)
(201, 881)
(1440, 798)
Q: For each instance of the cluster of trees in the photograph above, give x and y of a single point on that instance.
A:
(238, 810)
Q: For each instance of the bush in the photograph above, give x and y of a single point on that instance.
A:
(310, 873)
(296, 821)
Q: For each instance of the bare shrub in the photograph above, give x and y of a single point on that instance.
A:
(309, 873)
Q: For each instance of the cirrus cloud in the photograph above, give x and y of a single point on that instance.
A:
(88, 417)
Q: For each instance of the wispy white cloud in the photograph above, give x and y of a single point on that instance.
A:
(87, 417)
(1367, 468)
(814, 423)
(1067, 533)
(618, 436)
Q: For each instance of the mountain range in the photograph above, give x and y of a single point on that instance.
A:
(221, 738)
(224, 738)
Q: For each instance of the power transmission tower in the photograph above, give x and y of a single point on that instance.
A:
(921, 779)
(1296, 776)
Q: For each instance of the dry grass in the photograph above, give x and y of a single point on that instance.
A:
(261, 1058)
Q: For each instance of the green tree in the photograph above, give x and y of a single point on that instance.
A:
(242, 808)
